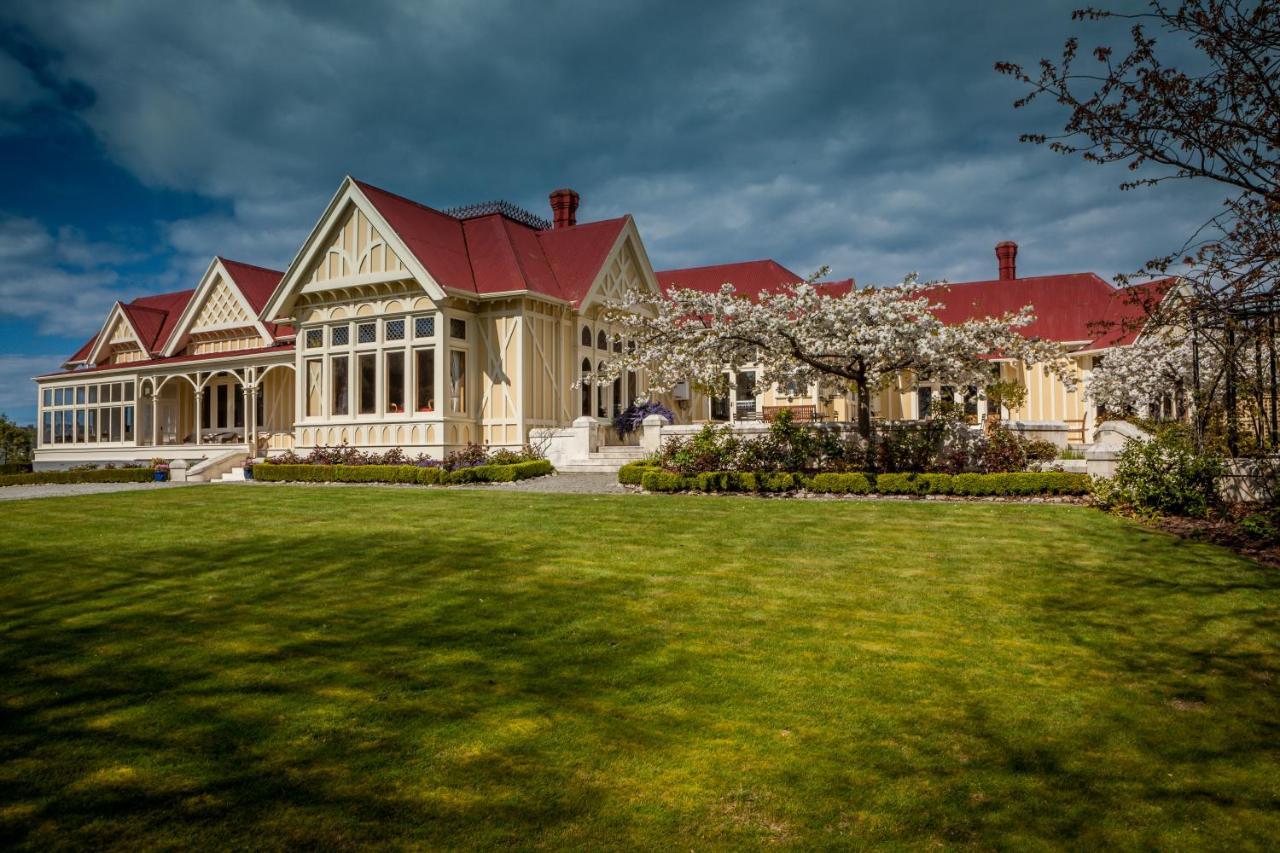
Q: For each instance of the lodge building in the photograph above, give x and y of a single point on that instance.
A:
(399, 325)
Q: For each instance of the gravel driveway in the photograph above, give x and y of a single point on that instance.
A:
(62, 490)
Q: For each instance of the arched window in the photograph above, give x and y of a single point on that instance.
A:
(586, 384)
(633, 386)
(617, 344)
(586, 336)
(602, 340)
(617, 396)
(602, 407)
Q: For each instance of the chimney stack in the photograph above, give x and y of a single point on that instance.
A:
(1007, 254)
(564, 208)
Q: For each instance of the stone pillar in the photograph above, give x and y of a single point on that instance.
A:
(651, 433)
(178, 471)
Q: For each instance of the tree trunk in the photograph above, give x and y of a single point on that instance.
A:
(864, 412)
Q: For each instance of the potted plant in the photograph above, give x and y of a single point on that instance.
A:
(248, 468)
(160, 469)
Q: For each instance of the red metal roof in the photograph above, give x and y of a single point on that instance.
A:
(1073, 307)
(494, 253)
(171, 360)
(749, 278)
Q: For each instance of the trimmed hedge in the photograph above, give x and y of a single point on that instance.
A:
(840, 484)
(970, 485)
(270, 472)
(15, 468)
(630, 474)
(96, 475)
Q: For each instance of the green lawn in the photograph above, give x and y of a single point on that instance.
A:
(341, 667)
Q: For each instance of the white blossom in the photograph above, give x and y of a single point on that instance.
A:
(860, 340)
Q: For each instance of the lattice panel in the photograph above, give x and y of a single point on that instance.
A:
(221, 308)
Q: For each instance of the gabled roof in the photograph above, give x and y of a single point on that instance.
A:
(1077, 307)
(257, 284)
(151, 317)
(493, 253)
(435, 239)
(749, 278)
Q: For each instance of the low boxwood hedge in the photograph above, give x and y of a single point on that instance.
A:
(96, 475)
(271, 472)
(972, 485)
(630, 474)
(840, 484)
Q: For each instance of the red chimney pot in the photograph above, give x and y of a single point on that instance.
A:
(564, 207)
(1007, 254)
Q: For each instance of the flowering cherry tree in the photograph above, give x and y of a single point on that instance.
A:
(803, 334)
(1132, 378)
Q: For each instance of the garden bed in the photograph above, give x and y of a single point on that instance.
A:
(1021, 484)
(413, 474)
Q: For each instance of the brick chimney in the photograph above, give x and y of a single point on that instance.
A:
(1007, 254)
(564, 207)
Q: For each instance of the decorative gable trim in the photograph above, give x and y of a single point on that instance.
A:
(117, 318)
(214, 275)
(294, 283)
(606, 283)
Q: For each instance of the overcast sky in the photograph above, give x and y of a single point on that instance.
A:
(139, 139)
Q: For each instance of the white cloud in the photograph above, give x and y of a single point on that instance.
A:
(17, 391)
(61, 282)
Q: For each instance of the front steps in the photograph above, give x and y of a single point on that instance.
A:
(235, 475)
(606, 460)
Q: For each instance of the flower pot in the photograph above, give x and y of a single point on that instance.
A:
(161, 476)
(248, 472)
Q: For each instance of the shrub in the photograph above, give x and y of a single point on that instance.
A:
(776, 481)
(840, 484)
(307, 473)
(897, 484)
(103, 475)
(657, 480)
(15, 468)
(1037, 450)
(630, 474)
(1165, 476)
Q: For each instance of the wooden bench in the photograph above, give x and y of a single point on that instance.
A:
(808, 413)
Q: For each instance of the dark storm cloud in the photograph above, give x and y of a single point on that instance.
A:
(873, 137)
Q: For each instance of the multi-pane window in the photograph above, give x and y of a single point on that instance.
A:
(87, 413)
(394, 330)
(366, 333)
(339, 370)
(424, 372)
(367, 366)
(458, 329)
(393, 380)
(457, 380)
(424, 327)
(341, 335)
(602, 340)
(315, 338)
